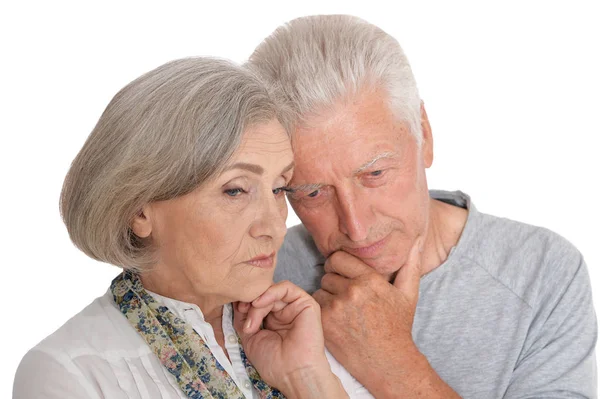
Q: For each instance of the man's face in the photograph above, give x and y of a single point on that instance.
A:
(360, 181)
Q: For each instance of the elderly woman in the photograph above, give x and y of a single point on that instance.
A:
(181, 184)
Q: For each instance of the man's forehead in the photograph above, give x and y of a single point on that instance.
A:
(312, 176)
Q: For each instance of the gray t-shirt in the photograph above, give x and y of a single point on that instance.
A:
(509, 314)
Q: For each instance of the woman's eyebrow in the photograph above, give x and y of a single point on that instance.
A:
(257, 169)
(250, 167)
(287, 168)
(374, 160)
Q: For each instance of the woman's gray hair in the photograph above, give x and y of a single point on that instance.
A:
(315, 61)
(161, 136)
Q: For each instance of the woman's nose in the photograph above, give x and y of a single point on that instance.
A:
(270, 219)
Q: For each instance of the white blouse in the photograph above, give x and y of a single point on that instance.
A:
(97, 354)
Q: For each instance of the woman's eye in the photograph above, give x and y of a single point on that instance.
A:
(279, 190)
(234, 192)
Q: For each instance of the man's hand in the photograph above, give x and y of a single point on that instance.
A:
(367, 324)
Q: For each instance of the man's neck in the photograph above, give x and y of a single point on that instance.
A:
(446, 223)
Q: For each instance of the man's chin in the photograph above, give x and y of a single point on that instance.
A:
(385, 267)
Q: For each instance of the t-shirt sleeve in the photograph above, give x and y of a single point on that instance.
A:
(41, 375)
(558, 357)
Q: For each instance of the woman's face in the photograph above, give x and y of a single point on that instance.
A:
(221, 240)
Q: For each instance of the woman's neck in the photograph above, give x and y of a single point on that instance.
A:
(182, 290)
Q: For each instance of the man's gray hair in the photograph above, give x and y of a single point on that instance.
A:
(161, 136)
(316, 61)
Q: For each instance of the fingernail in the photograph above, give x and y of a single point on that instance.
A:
(248, 325)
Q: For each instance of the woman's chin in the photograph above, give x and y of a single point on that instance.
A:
(255, 289)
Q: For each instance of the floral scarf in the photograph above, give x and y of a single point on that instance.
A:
(178, 347)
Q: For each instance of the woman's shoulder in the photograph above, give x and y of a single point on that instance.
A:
(54, 361)
(98, 330)
(50, 376)
(95, 354)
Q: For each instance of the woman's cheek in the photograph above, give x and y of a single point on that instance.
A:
(237, 205)
(283, 208)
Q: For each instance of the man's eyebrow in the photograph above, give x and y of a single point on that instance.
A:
(250, 167)
(374, 160)
(316, 186)
(306, 187)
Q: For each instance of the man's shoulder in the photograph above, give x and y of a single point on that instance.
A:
(298, 239)
(299, 260)
(531, 261)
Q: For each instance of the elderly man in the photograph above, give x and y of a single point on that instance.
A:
(421, 294)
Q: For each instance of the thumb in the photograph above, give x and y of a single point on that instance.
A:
(409, 276)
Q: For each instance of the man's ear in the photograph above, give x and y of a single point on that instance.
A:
(142, 222)
(427, 138)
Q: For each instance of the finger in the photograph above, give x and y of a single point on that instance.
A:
(334, 283)
(322, 297)
(409, 275)
(239, 320)
(243, 307)
(275, 298)
(279, 305)
(285, 316)
(256, 315)
(250, 340)
(346, 265)
(284, 291)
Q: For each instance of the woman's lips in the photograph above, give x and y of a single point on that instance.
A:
(369, 251)
(262, 261)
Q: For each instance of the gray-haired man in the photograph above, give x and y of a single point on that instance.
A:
(486, 308)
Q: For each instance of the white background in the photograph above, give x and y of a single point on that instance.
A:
(512, 90)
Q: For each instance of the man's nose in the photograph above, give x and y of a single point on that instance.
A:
(354, 215)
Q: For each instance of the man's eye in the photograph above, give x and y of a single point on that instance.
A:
(234, 192)
(311, 199)
(376, 173)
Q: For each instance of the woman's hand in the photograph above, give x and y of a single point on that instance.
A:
(289, 352)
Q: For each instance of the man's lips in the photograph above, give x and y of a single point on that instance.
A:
(264, 261)
(368, 251)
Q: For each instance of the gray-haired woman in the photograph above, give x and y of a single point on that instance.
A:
(181, 183)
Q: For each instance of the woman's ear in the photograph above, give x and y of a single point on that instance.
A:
(142, 222)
